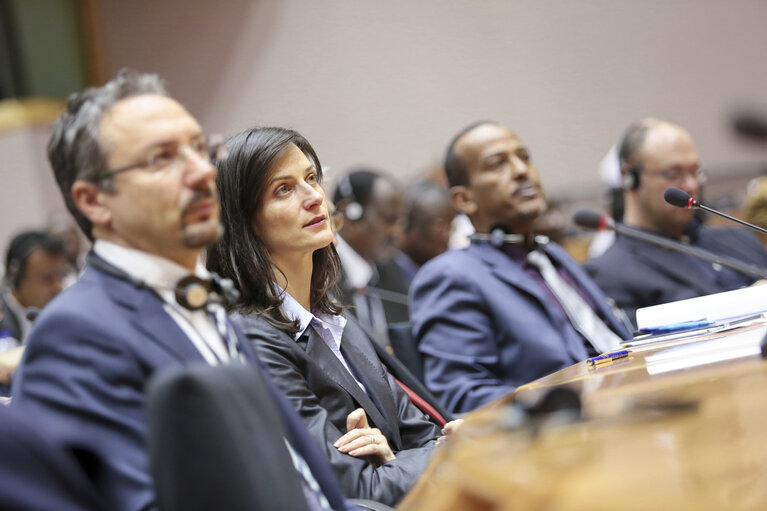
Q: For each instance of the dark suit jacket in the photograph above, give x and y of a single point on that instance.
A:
(390, 278)
(484, 326)
(88, 359)
(324, 393)
(636, 274)
(35, 474)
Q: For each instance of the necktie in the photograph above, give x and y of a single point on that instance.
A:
(581, 315)
(227, 335)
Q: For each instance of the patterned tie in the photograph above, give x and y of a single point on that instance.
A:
(581, 315)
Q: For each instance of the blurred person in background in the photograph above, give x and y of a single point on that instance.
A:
(373, 206)
(35, 269)
(427, 229)
(655, 155)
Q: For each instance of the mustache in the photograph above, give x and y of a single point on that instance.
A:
(527, 183)
(199, 195)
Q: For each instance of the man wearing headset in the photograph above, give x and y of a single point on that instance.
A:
(511, 307)
(654, 155)
(35, 269)
(135, 171)
(373, 205)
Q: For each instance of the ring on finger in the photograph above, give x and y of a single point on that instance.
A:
(372, 439)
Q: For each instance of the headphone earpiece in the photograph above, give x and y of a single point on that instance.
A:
(192, 292)
(631, 179)
(353, 210)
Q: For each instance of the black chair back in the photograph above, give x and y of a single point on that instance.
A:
(216, 441)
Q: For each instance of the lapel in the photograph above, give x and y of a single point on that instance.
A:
(673, 265)
(145, 311)
(319, 353)
(359, 353)
(558, 254)
(512, 274)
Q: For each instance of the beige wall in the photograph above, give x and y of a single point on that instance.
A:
(388, 83)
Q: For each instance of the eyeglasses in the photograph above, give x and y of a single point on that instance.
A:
(677, 175)
(212, 149)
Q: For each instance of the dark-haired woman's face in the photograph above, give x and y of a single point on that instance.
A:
(293, 217)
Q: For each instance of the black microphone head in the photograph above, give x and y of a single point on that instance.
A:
(678, 198)
(592, 219)
(750, 125)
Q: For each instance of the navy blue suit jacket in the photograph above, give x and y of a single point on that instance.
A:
(636, 274)
(35, 474)
(485, 327)
(89, 356)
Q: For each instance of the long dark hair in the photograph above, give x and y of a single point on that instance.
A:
(240, 254)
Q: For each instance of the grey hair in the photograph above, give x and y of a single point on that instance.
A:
(74, 148)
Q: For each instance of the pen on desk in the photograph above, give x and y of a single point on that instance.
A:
(608, 358)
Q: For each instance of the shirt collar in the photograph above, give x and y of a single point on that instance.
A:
(358, 272)
(19, 311)
(155, 271)
(295, 311)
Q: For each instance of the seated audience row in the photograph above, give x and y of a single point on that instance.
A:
(139, 175)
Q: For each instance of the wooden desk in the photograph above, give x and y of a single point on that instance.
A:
(653, 436)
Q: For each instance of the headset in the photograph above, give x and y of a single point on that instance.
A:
(498, 237)
(354, 210)
(21, 247)
(191, 292)
(630, 179)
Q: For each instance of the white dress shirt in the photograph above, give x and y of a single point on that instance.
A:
(330, 328)
(162, 275)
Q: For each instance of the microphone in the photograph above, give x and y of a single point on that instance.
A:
(594, 220)
(590, 219)
(751, 126)
(682, 199)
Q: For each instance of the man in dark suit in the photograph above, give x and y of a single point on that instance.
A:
(135, 170)
(35, 474)
(373, 205)
(655, 155)
(486, 317)
(35, 269)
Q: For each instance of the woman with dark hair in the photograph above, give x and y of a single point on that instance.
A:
(277, 247)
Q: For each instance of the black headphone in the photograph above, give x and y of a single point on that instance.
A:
(191, 292)
(354, 210)
(631, 179)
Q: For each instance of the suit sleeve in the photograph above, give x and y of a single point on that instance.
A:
(359, 479)
(454, 329)
(90, 392)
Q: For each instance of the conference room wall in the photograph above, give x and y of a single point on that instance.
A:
(388, 83)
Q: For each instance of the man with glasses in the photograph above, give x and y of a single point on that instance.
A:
(135, 170)
(654, 155)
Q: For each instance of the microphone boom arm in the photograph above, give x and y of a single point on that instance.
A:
(745, 268)
(728, 217)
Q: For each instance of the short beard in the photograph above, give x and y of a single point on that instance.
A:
(201, 235)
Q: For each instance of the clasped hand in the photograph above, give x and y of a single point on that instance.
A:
(361, 440)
